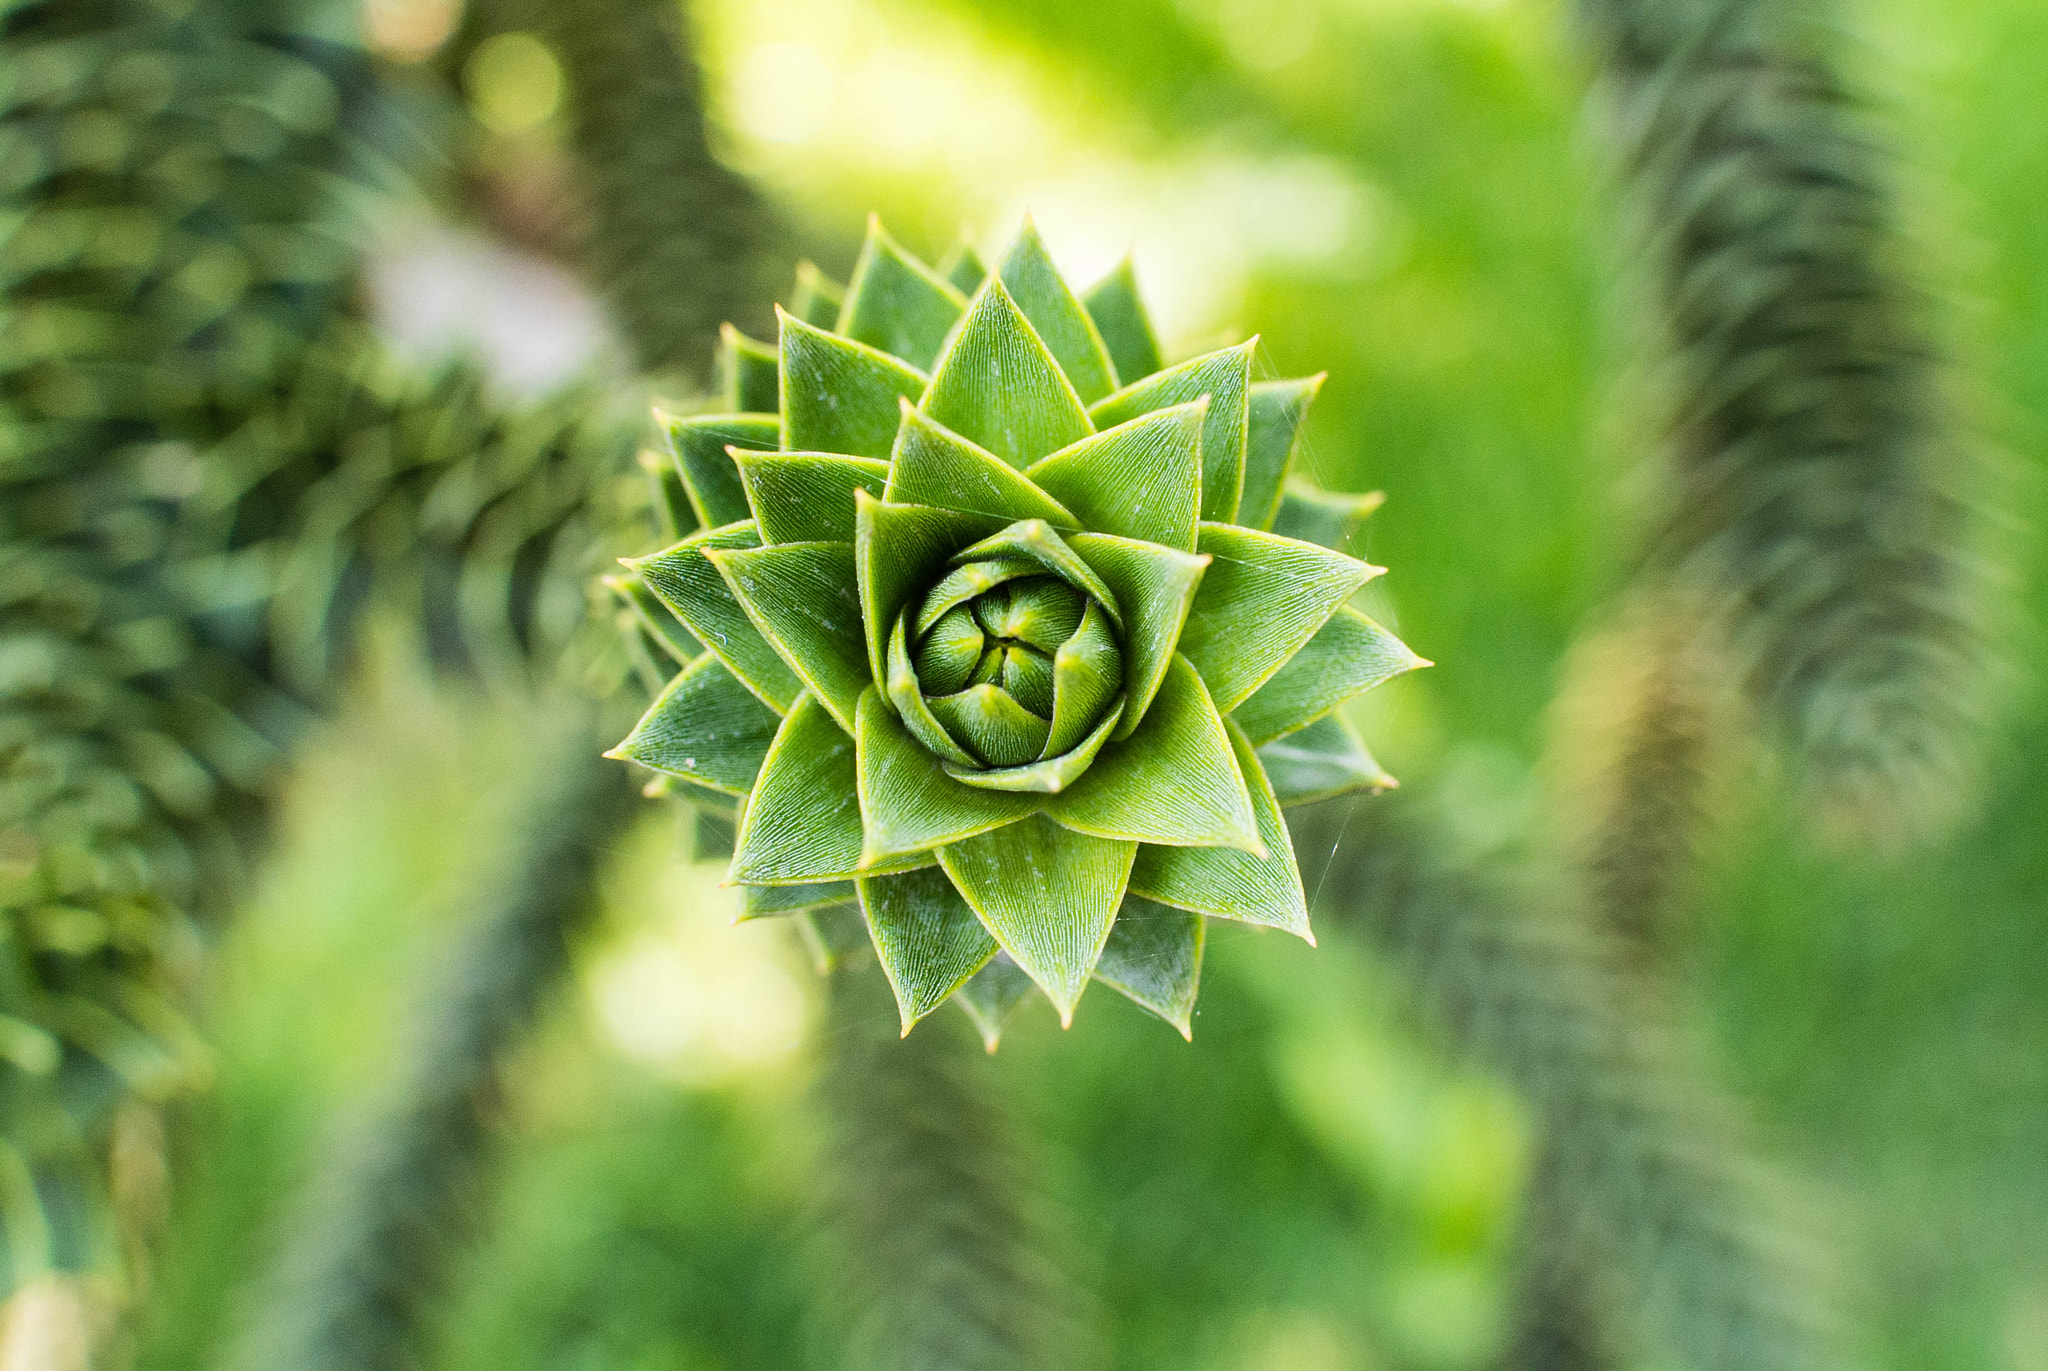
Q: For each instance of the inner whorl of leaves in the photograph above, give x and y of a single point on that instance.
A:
(1001, 637)
(1818, 476)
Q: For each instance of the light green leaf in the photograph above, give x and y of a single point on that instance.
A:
(684, 579)
(1141, 479)
(771, 901)
(1043, 611)
(1156, 586)
(1277, 409)
(806, 497)
(906, 690)
(897, 303)
(802, 598)
(802, 823)
(965, 583)
(1260, 888)
(700, 444)
(706, 728)
(1049, 895)
(1348, 655)
(747, 380)
(907, 802)
(1088, 672)
(928, 939)
(932, 465)
(963, 266)
(1262, 598)
(945, 657)
(1040, 542)
(1154, 956)
(839, 395)
(1027, 678)
(992, 996)
(991, 725)
(899, 550)
(1119, 314)
(1175, 780)
(1051, 775)
(1069, 334)
(996, 385)
(1226, 378)
(1320, 762)
(817, 300)
(1327, 518)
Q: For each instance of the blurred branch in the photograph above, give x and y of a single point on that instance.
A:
(943, 1253)
(367, 1260)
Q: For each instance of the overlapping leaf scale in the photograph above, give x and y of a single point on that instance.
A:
(1040, 291)
(705, 728)
(701, 445)
(1224, 376)
(896, 303)
(928, 939)
(908, 801)
(804, 600)
(684, 580)
(748, 379)
(1273, 426)
(802, 822)
(1120, 316)
(997, 386)
(1320, 762)
(806, 497)
(1261, 599)
(1154, 957)
(1348, 655)
(932, 465)
(899, 551)
(1141, 479)
(839, 395)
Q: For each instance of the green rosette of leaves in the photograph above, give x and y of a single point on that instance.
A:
(1014, 637)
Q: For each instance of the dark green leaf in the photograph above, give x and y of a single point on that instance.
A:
(1154, 955)
(1088, 672)
(700, 446)
(1320, 762)
(706, 728)
(1141, 479)
(803, 599)
(996, 385)
(963, 266)
(1055, 772)
(1277, 409)
(908, 802)
(1155, 585)
(896, 303)
(1049, 895)
(928, 939)
(807, 497)
(1260, 888)
(992, 995)
(655, 618)
(817, 300)
(1113, 303)
(1174, 780)
(1069, 334)
(802, 823)
(991, 725)
(685, 580)
(839, 395)
(771, 901)
(906, 690)
(1225, 377)
(932, 465)
(899, 550)
(1262, 597)
(747, 380)
(1347, 655)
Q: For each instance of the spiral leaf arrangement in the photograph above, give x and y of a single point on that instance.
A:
(1002, 645)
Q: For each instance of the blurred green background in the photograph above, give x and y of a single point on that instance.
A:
(1402, 192)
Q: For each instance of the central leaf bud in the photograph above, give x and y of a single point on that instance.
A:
(1010, 667)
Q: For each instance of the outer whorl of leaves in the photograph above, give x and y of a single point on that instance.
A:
(1817, 473)
(999, 637)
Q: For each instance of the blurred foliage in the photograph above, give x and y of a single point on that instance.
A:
(1310, 1184)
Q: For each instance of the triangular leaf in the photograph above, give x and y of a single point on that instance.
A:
(835, 935)
(908, 802)
(817, 298)
(1051, 775)
(1088, 672)
(989, 723)
(802, 598)
(706, 728)
(674, 515)
(1141, 479)
(1049, 895)
(802, 823)
(963, 266)
(932, 465)
(685, 580)
(1277, 409)
(747, 379)
(1069, 334)
(928, 939)
(996, 385)
(1119, 314)
(1321, 762)
(1225, 377)
(1348, 655)
(1262, 598)
(1224, 882)
(1155, 586)
(899, 550)
(896, 303)
(1154, 956)
(992, 995)
(839, 395)
(700, 446)
(655, 619)
(773, 901)
(806, 497)
(1035, 540)
(1326, 518)
(1175, 780)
